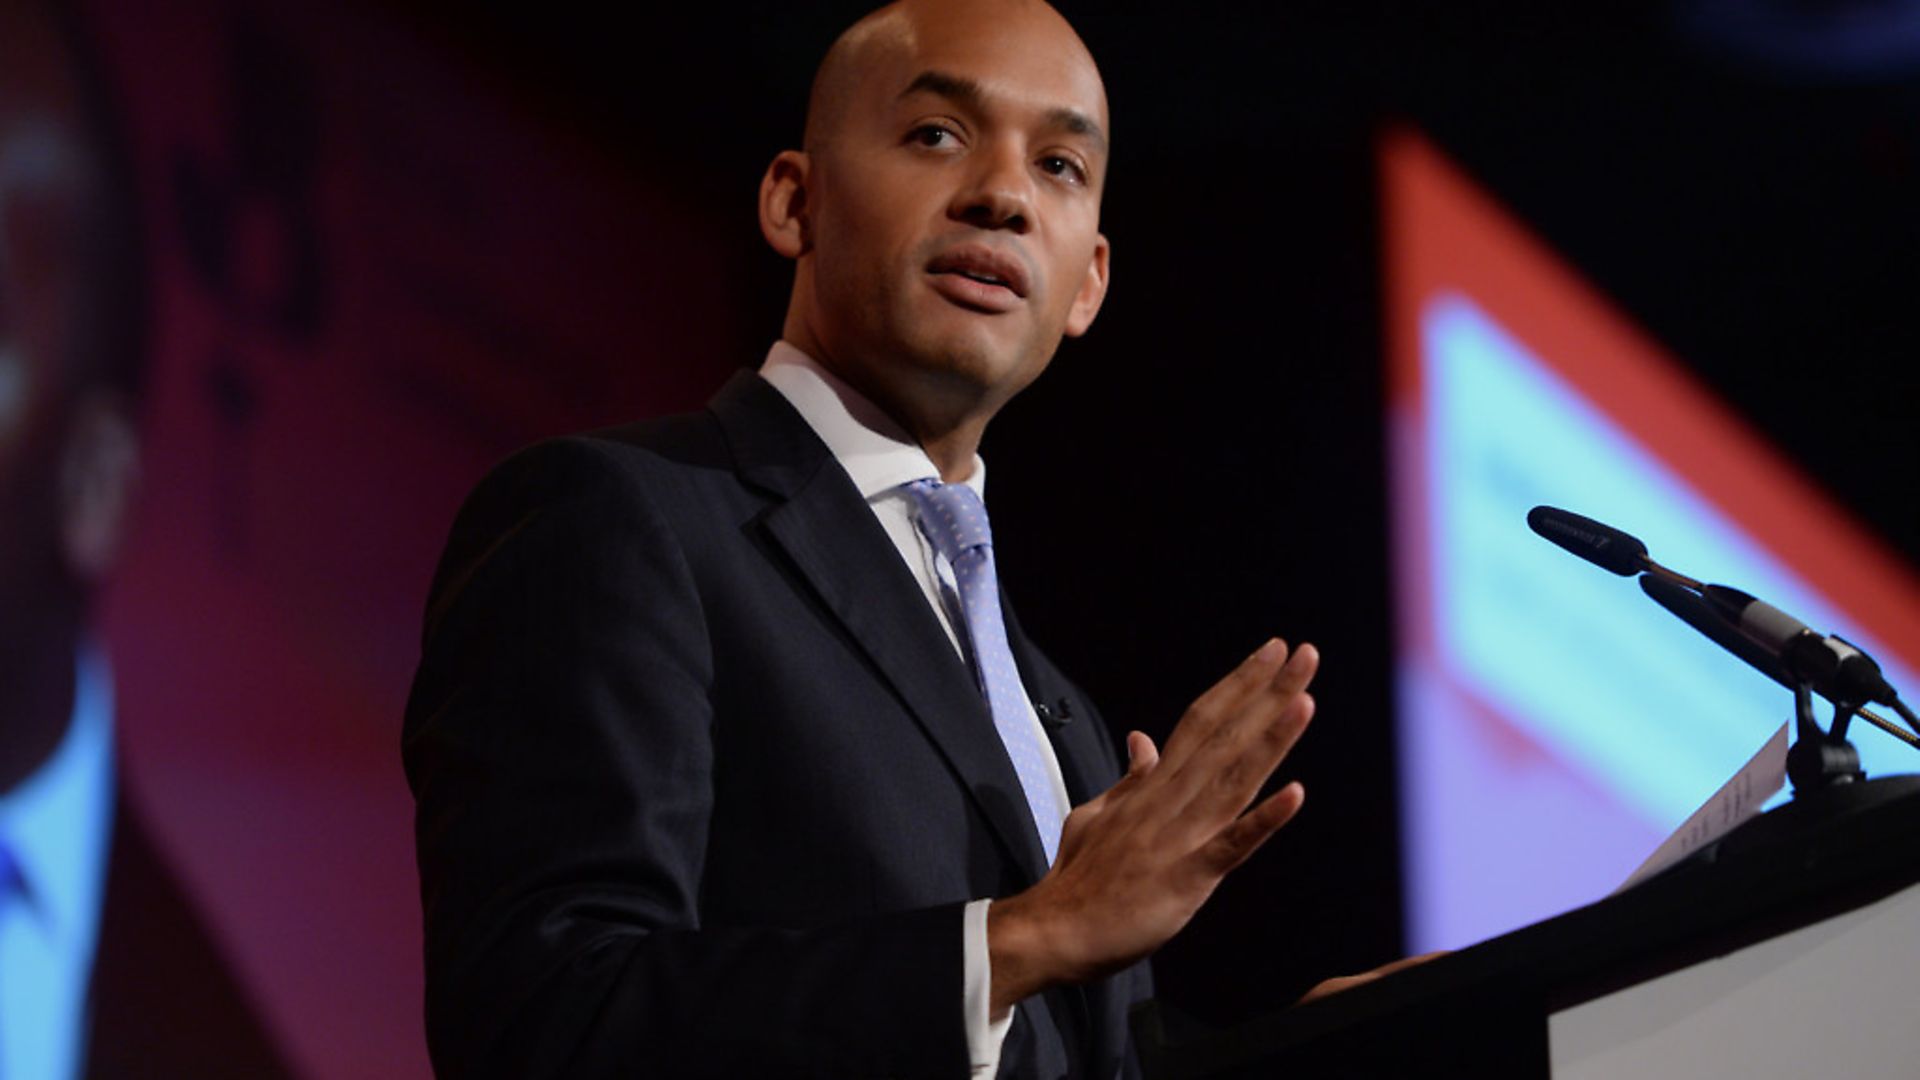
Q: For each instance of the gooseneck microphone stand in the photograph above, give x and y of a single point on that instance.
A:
(1822, 765)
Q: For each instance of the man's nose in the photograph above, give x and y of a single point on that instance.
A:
(998, 193)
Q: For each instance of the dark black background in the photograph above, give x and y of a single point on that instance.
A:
(1207, 468)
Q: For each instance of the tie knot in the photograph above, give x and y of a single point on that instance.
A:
(952, 516)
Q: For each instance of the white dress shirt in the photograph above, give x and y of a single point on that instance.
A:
(882, 459)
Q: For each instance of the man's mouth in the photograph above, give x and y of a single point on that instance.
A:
(987, 279)
(994, 272)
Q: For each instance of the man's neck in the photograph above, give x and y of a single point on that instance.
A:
(948, 425)
(953, 453)
(951, 437)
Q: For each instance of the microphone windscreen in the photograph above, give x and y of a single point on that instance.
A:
(1602, 545)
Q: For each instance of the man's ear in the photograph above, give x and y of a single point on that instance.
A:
(1093, 290)
(99, 473)
(783, 203)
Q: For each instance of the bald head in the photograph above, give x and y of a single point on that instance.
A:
(944, 215)
(880, 39)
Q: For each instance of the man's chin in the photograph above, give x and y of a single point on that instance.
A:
(972, 385)
(991, 346)
(980, 360)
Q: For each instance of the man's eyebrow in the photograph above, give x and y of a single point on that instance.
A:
(954, 87)
(964, 91)
(1078, 123)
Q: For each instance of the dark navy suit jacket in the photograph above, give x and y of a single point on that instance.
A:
(702, 784)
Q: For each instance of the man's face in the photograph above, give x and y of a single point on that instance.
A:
(953, 208)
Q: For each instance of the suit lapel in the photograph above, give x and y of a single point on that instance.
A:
(1087, 767)
(820, 522)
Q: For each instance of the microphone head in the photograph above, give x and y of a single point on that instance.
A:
(1602, 545)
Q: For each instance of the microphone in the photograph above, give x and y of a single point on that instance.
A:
(1785, 649)
(1602, 545)
(1056, 716)
(1711, 620)
(1694, 610)
(1834, 668)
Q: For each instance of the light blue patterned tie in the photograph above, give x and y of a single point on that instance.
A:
(955, 520)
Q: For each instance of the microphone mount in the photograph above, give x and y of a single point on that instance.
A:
(1775, 643)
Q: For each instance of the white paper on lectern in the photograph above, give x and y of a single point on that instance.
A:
(1736, 801)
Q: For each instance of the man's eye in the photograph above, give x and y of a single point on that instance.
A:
(932, 136)
(1063, 167)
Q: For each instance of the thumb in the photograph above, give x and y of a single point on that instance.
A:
(1142, 755)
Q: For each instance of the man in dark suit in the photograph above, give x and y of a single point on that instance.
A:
(712, 771)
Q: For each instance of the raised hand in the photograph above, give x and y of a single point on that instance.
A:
(1139, 860)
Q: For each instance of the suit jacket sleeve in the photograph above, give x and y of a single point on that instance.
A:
(559, 743)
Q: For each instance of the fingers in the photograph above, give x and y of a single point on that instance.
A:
(1192, 802)
(1252, 694)
(1141, 760)
(1330, 987)
(1338, 983)
(1137, 860)
(1299, 669)
(1406, 962)
(1141, 754)
(1237, 842)
(1215, 780)
(1280, 735)
(1225, 698)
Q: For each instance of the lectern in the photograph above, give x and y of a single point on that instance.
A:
(1789, 949)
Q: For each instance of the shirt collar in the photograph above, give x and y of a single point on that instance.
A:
(876, 452)
(57, 820)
